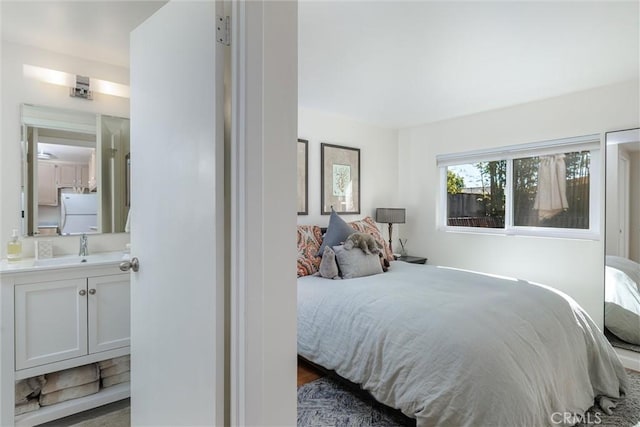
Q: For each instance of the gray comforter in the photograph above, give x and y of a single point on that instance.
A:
(455, 348)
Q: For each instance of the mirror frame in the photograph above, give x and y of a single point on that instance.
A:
(606, 218)
(55, 118)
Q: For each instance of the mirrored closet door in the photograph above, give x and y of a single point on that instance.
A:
(622, 271)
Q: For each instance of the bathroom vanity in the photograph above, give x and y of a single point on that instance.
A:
(57, 314)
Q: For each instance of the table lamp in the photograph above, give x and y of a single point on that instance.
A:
(391, 216)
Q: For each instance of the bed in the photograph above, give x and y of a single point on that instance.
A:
(457, 348)
(622, 299)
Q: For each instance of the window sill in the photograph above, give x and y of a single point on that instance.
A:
(526, 232)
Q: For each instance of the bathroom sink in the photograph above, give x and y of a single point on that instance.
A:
(76, 259)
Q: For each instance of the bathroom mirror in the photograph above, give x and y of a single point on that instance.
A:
(75, 169)
(622, 269)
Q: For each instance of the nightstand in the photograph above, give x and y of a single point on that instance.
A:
(412, 259)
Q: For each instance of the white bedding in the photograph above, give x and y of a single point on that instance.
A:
(455, 348)
(622, 299)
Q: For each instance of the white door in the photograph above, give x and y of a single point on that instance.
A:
(51, 322)
(108, 312)
(177, 364)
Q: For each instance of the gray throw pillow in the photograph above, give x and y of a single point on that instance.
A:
(337, 232)
(328, 266)
(355, 263)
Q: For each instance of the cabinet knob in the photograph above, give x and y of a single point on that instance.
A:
(92, 291)
(82, 292)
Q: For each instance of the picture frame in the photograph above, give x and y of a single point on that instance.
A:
(340, 179)
(303, 177)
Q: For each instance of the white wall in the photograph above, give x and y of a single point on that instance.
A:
(378, 161)
(573, 266)
(17, 90)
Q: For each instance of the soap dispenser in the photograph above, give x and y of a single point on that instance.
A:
(14, 247)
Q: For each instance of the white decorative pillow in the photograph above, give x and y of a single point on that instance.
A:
(355, 263)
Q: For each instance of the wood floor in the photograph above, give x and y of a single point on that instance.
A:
(307, 373)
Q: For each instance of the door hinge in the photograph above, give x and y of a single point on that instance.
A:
(223, 30)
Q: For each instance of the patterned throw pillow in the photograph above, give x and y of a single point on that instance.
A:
(368, 225)
(309, 241)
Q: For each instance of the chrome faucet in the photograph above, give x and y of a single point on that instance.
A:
(84, 249)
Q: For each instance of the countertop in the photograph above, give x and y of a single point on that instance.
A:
(61, 262)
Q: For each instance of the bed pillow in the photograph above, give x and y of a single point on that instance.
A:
(337, 232)
(627, 266)
(621, 305)
(622, 323)
(368, 225)
(328, 265)
(309, 240)
(355, 263)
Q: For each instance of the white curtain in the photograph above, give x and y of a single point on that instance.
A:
(551, 197)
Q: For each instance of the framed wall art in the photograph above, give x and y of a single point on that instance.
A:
(340, 179)
(303, 177)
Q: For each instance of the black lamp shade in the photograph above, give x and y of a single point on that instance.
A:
(391, 215)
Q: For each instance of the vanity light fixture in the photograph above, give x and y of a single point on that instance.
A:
(79, 86)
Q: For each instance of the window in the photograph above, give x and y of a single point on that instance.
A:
(475, 194)
(547, 188)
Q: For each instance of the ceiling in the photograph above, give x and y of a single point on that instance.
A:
(405, 63)
(66, 145)
(394, 64)
(67, 153)
(95, 30)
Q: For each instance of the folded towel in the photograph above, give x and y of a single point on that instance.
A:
(28, 406)
(115, 369)
(70, 378)
(115, 361)
(29, 387)
(116, 379)
(69, 393)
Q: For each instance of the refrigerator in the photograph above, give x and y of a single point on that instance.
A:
(78, 213)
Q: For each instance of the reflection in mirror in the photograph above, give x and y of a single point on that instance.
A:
(74, 172)
(622, 270)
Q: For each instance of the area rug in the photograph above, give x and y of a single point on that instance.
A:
(331, 402)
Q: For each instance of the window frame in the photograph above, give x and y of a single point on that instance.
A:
(592, 143)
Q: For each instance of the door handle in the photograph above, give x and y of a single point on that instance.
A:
(130, 265)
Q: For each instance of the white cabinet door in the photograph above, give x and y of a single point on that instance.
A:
(82, 176)
(50, 322)
(67, 175)
(108, 312)
(47, 190)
